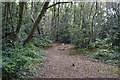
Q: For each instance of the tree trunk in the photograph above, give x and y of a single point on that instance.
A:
(37, 21)
(19, 23)
(92, 24)
(32, 15)
(21, 5)
(57, 21)
(74, 12)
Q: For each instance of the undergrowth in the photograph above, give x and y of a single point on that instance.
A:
(42, 42)
(100, 51)
(20, 62)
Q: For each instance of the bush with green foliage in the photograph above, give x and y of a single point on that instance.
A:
(64, 36)
(78, 37)
(42, 42)
(99, 43)
(20, 62)
(108, 56)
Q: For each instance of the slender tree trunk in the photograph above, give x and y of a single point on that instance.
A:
(54, 22)
(21, 7)
(6, 18)
(57, 21)
(20, 18)
(81, 15)
(7, 13)
(37, 21)
(118, 13)
(58, 12)
(11, 21)
(71, 9)
(74, 12)
(90, 14)
(54, 16)
(92, 25)
(4, 12)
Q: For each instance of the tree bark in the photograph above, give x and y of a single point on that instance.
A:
(19, 22)
(37, 21)
(74, 12)
(21, 5)
(34, 22)
(92, 24)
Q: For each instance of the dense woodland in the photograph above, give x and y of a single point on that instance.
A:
(28, 28)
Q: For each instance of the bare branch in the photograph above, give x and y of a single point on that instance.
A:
(57, 3)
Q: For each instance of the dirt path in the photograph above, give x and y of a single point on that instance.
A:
(63, 65)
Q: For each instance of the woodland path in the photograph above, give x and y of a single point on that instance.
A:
(62, 65)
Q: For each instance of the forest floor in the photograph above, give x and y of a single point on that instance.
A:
(62, 65)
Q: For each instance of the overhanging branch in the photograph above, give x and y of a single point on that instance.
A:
(57, 3)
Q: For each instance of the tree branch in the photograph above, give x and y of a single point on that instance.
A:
(57, 3)
(33, 20)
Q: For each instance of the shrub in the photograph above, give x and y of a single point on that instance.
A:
(42, 43)
(92, 45)
(108, 56)
(64, 36)
(20, 62)
(79, 37)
